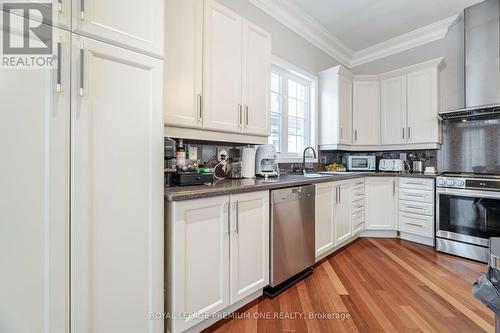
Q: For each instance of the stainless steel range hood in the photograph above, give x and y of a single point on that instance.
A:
(482, 62)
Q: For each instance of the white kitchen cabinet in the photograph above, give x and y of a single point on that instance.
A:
(256, 79)
(324, 222)
(117, 189)
(249, 244)
(358, 206)
(393, 110)
(366, 111)
(183, 63)
(60, 9)
(198, 260)
(335, 100)
(137, 25)
(34, 196)
(381, 197)
(342, 211)
(423, 106)
(222, 69)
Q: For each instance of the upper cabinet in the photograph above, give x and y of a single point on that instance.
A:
(366, 111)
(137, 25)
(218, 71)
(335, 103)
(393, 110)
(60, 10)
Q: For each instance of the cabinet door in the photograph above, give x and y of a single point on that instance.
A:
(381, 203)
(393, 110)
(222, 69)
(60, 11)
(423, 106)
(342, 211)
(183, 64)
(34, 196)
(117, 189)
(249, 250)
(199, 259)
(366, 113)
(256, 79)
(345, 110)
(324, 227)
(133, 24)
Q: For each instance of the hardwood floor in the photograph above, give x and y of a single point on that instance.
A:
(375, 285)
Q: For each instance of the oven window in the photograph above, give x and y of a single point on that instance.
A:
(478, 217)
(359, 163)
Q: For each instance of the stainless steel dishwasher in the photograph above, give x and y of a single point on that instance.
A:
(292, 236)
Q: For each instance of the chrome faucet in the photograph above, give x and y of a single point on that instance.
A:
(304, 159)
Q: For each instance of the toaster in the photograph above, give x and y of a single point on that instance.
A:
(396, 165)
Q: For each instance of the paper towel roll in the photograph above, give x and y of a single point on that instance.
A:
(248, 162)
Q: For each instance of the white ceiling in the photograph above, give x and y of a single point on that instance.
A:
(363, 23)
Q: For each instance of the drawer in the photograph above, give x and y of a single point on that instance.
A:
(416, 195)
(358, 217)
(358, 182)
(358, 206)
(358, 197)
(358, 191)
(417, 183)
(416, 224)
(422, 208)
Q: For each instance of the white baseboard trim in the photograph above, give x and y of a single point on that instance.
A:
(379, 233)
(417, 239)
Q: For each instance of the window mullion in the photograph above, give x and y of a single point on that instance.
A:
(284, 114)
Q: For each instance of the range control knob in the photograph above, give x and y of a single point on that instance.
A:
(441, 182)
(450, 182)
(460, 182)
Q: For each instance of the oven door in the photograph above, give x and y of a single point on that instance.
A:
(467, 215)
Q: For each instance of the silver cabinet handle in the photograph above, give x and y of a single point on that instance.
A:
(355, 135)
(200, 110)
(82, 70)
(393, 187)
(82, 10)
(409, 133)
(246, 115)
(403, 133)
(237, 217)
(228, 218)
(59, 65)
(240, 115)
(340, 195)
(59, 6)
(414, 224)
(341, 133)
(414, 207)
(415, 195)
(336, 194)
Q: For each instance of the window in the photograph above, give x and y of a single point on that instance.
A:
(292, 112)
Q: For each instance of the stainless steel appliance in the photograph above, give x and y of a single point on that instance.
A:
(233, 170)
(361, 163)
(292, 236)
(468, 213)
(396, 165)
(482, 62)
(266, 161)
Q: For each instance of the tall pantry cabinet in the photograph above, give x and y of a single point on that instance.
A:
(81, 232)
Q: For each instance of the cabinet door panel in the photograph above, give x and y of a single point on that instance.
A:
(183, 64)
(222, 69)
(381, 203)
(117, 192)
(34, 197)
(366, 113)
(393, 110)
(199, 259)
(127, 23)
(324, 223)
(342, 211)
(345, 110)
(249, 244)
(423, 106)
(256, 79)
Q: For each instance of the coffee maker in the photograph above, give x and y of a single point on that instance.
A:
(265, 161)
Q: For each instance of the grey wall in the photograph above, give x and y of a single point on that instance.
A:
(286, 44)
(452, 75)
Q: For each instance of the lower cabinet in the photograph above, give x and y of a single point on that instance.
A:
(381, 203)
(342, 211)
(324, 226)
(217, 254)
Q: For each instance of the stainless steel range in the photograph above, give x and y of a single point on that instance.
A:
(468, 213)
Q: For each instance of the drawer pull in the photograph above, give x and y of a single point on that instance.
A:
(415, 195)
(415, 207)
(415, 225)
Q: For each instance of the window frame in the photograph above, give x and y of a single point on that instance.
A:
(287, 70)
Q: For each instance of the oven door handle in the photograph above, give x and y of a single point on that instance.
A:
(469, 193)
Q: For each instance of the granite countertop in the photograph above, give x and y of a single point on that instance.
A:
(233, 186)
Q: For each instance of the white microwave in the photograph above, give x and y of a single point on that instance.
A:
(361, 163)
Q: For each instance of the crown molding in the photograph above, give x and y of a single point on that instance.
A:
(291, 16)
(299, 22)
(430, 33)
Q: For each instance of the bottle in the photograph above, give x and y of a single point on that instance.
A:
(180, 154)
